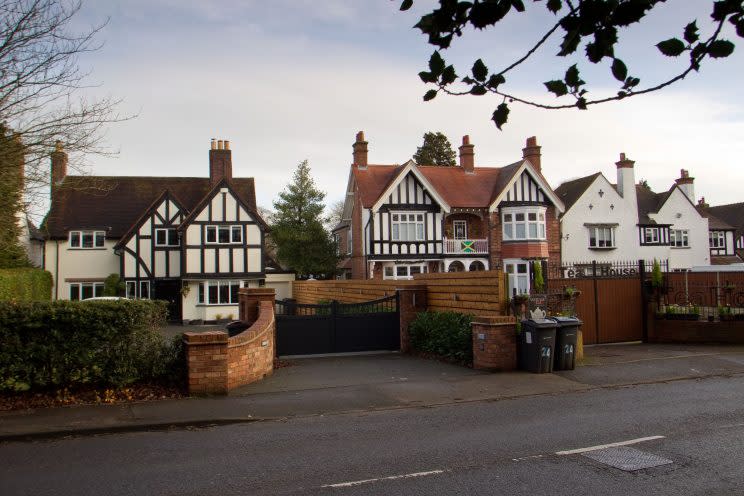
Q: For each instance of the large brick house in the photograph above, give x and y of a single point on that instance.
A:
(192, 241)
(404, 219)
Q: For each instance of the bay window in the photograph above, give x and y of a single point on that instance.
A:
(403, 271)
(219, 292)
(523, 223)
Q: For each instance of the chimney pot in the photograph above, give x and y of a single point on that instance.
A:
(624, 162)
(220, 162)
(532, 153)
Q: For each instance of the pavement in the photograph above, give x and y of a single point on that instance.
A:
(344, 384)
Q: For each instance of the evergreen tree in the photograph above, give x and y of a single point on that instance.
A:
(436, 150)
(302, 242)
(12, 253)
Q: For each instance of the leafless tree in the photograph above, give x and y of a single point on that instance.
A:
(42, 89)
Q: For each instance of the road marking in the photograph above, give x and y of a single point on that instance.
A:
(610, 445)
(392, 477)
(531, 457)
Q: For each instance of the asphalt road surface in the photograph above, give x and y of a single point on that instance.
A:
(693, 431)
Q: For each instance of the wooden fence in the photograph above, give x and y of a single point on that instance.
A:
(480, 293)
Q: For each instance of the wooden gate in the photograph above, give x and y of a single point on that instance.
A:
(337, 327)
(610, 298)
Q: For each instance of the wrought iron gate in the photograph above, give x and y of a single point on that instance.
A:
(337, 327)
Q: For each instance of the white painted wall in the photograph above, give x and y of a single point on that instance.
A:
(64, 263)
(679, 212)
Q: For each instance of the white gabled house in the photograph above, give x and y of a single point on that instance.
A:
(191, 241)
(625, 221)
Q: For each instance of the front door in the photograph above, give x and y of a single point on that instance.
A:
(170, 291)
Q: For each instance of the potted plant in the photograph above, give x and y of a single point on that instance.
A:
(539, 281)
(570, 292)
(724, 313)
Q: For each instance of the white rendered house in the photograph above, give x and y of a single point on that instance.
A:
(624, 221)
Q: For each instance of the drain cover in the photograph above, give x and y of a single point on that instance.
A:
(627, 459)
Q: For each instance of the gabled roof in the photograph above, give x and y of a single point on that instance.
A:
(714, 222)
(731, 215)
(570, 191)
(33, 231)
(649, 202)
(224, 183)
(147, 213)
(456, 187)
(114, 203)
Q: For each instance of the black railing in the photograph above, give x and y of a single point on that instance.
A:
(381, 305)
(686, 300)
(596, 269)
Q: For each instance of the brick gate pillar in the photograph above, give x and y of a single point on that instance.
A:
(206, 359)
(495, 343)
(411, 300)
(249, 299)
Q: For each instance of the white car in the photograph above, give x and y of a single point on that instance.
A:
(105, 298)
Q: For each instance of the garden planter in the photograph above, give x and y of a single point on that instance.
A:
(726, 318)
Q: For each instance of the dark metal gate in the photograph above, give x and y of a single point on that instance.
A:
(337, 327)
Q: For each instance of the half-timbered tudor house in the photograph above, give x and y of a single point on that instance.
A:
(193, 241)
(403, 219)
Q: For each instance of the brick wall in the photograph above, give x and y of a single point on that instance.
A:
(250, 354)
(494, 343)
(480, 293)
(697, 331)
(218, 363)
(358, 262)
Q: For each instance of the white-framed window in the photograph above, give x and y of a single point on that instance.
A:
(403, 271)
(219, 292)
(602, 237)
(717, 239)
(651, 235)
(132, 293)
(223, 235)
(518, 275)
(348, 241)
(679, 238)
(166, 236)
(460, 229)
(523, 223)
(337, 242)
(407, 227)
(85, 290)
(86, 240)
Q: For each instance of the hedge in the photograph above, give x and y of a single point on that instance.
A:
(70, 343)
(447, 334)
(25, 285)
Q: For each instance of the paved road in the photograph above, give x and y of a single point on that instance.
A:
(501, 447)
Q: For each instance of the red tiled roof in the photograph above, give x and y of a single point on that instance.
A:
(456, 187)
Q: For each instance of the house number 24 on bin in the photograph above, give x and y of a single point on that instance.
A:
(546, 352)
(568, 349)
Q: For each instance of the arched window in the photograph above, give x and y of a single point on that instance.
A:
(477, 266)
(456, 266)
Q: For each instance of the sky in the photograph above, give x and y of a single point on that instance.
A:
(289, 80)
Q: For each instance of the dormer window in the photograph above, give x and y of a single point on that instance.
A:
(86, 240)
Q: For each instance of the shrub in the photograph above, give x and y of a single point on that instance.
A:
(447, 334)
(67, 343)
(113, 285)
(25, 285)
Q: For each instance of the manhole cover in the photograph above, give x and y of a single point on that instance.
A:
(627, 459)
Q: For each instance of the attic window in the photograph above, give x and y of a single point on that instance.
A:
(224, 235)
(166, 237)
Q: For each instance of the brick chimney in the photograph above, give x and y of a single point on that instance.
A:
(467, 155)
(59, 165)
(702, 203)
(220, 162)
(686, 184)
(531, 152)
(360, 151)
(626, 178)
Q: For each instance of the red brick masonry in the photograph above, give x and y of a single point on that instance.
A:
(217, 363)
(495, 343)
